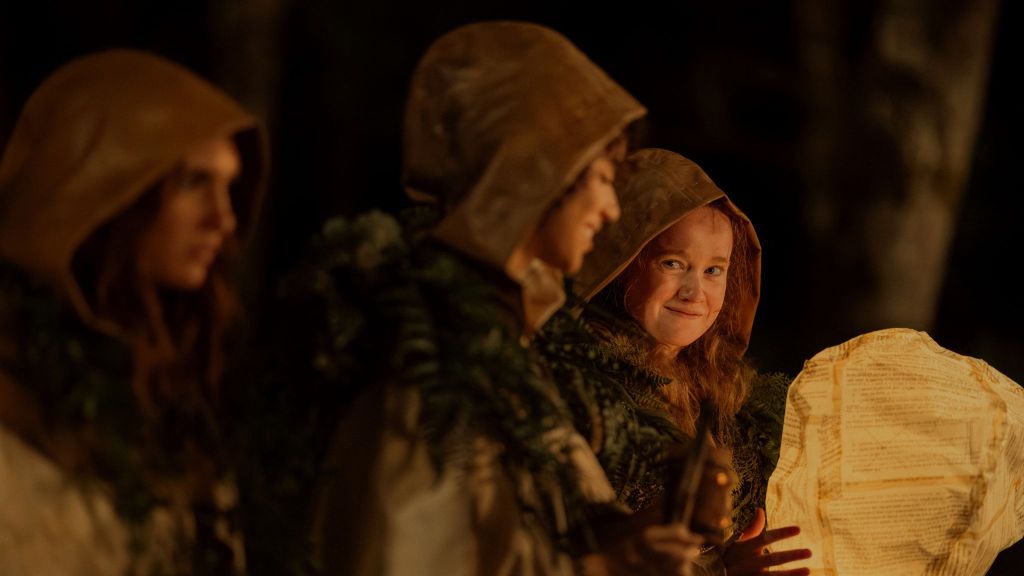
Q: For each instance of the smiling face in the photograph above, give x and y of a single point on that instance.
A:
(676, 286)
(195, 217)
(566, 234)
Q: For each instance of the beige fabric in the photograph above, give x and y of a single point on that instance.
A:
(656, 189)
(96, 135)
(501, 119)
(397, 516)
(50, 526)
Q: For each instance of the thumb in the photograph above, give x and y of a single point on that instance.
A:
(755, 527)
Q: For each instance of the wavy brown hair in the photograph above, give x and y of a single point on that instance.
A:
(177, 338)
(712, 367)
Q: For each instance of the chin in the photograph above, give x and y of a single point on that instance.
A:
(569, 265)
(575, 263)
(573, 267)
(187, 281)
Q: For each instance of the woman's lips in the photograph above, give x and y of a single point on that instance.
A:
(684, 313)
(205, 254)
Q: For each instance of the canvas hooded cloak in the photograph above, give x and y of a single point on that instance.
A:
(92, 139)
(502, 118)
(98, 134)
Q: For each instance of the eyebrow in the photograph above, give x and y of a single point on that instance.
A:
(205, 171)
(714, 260)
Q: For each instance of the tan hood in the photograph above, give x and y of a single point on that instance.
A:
(501, 119)
(97, 134)
(656, 188)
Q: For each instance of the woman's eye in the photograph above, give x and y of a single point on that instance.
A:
(191, 181)
(715, 271)
(671, 264)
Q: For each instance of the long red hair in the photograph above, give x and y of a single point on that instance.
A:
(177, 339)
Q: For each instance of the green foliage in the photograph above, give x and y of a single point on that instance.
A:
(373, 305)
(614, 365)
(79, 379)
(613, 406)
(303, 369)
(81, 382)
(757, 442)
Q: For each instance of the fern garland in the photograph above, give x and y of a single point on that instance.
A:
(755, 449)
(607, 395)
(373, 303)
(80, 380)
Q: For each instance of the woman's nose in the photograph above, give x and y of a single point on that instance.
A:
(612, 210)
(221, 213)
(689, 287)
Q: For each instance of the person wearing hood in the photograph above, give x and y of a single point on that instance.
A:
(460, 456)
(672, 289)
(125, 189)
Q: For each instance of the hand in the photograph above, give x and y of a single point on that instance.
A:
(657, 550)
(749, 555)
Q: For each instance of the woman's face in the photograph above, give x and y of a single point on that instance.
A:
(567, 232)
(677, 290)
(195, 217)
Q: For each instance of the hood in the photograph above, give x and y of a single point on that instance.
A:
(656, 189)
(96, 135)
(502, 117)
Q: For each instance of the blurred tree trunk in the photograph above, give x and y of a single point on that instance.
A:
(7, 106)
(247, 54)
(247, 51)
(896, 89)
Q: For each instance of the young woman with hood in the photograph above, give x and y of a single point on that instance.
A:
(125, 188)
(672, 291)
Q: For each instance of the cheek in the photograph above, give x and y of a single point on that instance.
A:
(566, 231)
(156, 254)
(554, 235)
(716, 299)
(595, 201)
(644, 296)
(176, 220)
(585, 201)
(571, 215)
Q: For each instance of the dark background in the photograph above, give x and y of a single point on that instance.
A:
(766, 97)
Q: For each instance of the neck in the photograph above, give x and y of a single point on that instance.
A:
(518, 263)
(541, 287)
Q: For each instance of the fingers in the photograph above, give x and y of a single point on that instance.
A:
(746, 563)
(657, 550)
(759, 546)
(752, 557)
(785, 557)
(671, 548)
(771, 536)
(793, 572)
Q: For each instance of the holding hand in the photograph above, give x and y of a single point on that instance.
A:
(657, 550)
(750, 555)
